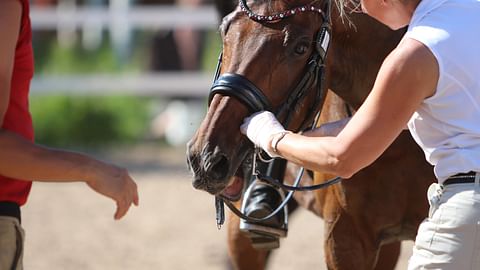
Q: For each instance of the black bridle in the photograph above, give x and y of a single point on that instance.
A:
(254, 99)
(236, 85)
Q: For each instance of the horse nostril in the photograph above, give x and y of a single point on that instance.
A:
(218, 168)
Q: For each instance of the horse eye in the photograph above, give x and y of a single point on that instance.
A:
(301, 49)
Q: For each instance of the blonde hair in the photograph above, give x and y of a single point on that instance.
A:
(346, 7)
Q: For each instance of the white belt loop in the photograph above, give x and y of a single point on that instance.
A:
(477, 179)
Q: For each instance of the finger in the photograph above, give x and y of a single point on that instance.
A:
(116, 216)
(122, 208)
(136, 199)
(246, 122)
(135, 195)
(243, 128)
(121, 211)
(132, 191)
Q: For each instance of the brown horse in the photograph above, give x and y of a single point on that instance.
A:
(366, 216)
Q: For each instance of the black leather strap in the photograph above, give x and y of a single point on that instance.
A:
(461, 178)
(10, 209)
(238, 86)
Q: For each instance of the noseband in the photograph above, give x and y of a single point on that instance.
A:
(239, 87)
(235, 85)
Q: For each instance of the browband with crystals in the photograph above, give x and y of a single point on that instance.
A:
(278, 16)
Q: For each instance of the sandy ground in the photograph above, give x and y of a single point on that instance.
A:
(69, 227)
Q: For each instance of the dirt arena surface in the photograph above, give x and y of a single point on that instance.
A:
(68, 227)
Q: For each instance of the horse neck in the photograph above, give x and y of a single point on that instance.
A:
(356, 54)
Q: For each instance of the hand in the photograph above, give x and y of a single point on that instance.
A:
(115, 183)
(260, 127)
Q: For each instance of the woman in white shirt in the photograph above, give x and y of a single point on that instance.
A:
(430, 83)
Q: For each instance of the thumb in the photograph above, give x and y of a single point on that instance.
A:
(244, 125)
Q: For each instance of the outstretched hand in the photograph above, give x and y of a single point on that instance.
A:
(115, 183)
(260, 128)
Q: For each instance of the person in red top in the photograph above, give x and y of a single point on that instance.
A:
(21, 160)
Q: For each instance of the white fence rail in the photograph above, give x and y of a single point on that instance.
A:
(178, 84)
(165, 84)
(136, 17)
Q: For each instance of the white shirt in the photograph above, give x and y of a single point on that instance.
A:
(447, 125)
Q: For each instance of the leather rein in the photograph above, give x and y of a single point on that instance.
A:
(235, 85)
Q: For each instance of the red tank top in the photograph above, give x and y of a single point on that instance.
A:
(17, 118)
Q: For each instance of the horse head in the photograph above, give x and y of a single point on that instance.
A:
(273, 53)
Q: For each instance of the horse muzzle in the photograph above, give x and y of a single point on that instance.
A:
(215, 173)
(210, 169)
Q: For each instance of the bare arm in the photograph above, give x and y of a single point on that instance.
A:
(328, 129)
(21, 159)
(406, 78)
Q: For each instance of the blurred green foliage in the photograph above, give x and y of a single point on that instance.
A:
(51, 58)
(89, 121)
(82, 121)
(65, 60)
(210, 55)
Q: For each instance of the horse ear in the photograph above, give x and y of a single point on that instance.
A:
(224, 7)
